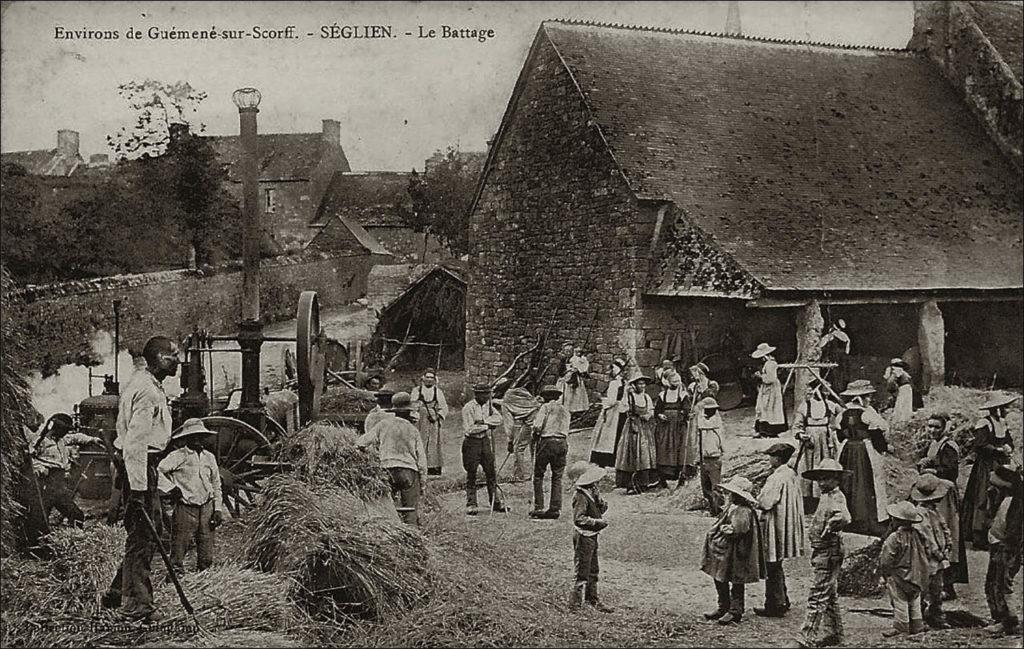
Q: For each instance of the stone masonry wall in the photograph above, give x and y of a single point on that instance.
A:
(556, 234)
(62, 319)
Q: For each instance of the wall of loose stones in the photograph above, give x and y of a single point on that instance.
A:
(555, 237)
(62, 319)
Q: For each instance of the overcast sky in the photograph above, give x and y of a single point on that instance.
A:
(398, 99)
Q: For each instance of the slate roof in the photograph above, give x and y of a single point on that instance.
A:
(812, 167)
(340, 233)
(282, 156)
(367, 197)
(1002, 24)
(43, 162)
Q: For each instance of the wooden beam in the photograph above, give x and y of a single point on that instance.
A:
(784, 303)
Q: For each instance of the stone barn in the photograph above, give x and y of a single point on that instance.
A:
(652, 190)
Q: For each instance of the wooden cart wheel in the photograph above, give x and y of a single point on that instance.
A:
(309, 356)
(239, 446)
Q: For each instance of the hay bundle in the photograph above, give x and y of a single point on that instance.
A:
(909, 440)
(859, 574)
(756, 467)
(347, 400)
(85, 561)
(327, 454)
(346, 557)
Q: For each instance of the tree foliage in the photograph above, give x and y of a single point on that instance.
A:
(438, 201)
(157, 105)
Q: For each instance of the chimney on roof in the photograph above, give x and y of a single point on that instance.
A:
(732, 20)
(177, 131)
(67, 143)
(99, 160)
(331, 131)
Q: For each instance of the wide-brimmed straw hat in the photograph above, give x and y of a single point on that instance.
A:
(997, 400)
(781, 449)
(192, 427)
(739, 486)
(827, 468)
(762, 350)
(858, 388)
(640, 377)
(592, 474)
(904, 510)
(708, 402)
(550, 389)
(929, 487)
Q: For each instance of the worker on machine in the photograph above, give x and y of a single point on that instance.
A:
(53, 448)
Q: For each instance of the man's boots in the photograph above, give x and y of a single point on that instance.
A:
(595, 601)
(576, 597)
(722, 588)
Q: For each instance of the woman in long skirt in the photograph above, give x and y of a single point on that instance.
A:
(670, 428)
(901, 385)
(611, 418)
(635, 467)
(769, 414)
(864, 488)
(701, 388)
(992, 445)
(429, 398)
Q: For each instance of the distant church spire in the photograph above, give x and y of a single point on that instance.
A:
(732, 21)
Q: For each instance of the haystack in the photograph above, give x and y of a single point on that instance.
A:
(909, 440)
(347, 400)
(326, 454)
(345, 556)
(756, 467)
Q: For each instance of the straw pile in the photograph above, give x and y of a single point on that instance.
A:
(347, 400)
(859, 574)
(17, 409)
(909, 440)
(756, 467)
(326, 454)
(346, 558)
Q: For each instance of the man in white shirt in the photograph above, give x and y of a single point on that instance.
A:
(402, 454)
(551, 427)
(190, 477)
(51, 462)
(479, 419)
(143, 431)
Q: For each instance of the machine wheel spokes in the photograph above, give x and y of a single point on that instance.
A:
(239, 448)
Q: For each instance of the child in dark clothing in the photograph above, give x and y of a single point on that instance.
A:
(588, 508)
(1004, 548)
(903, 563)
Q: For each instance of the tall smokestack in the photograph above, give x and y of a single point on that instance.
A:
(67, 143)
(732, 20)
(331, 131)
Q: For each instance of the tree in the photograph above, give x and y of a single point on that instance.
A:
(157, 105)
(438, 202)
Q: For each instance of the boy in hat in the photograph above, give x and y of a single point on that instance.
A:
(709, 444)
(769, 415)
(732, 551)
(926, 494)
(781, 500)
(479, 419)
(823, 625)
(551, 429)
(903, 563)
(433, 408)
(401, 454)
(588, 508)
(190, 476)
(1004, 548)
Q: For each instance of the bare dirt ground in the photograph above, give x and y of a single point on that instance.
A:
(650, 560)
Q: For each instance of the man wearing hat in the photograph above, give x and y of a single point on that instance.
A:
(700, 388)
(823, 625)
(862, 441)
(769, 415)
(143, 432)
(992, 446)
(1004, 549)
(709, 443)
(781, 500)
(588, 509)
(926, 493)
(401, 454)
(381, 411)
(814, 425)
(433, 409)
(190, 478)
(51, 462)
(479, 419)
(609, 422)
(551, 429)
(732, 551)
(903, 561)
(635, 467)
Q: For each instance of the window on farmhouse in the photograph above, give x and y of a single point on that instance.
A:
(270, 202)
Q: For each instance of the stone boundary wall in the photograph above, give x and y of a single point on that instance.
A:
(61, 320)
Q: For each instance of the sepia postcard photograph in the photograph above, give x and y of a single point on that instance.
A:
(511, 324)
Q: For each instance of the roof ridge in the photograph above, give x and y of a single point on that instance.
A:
(711, 34)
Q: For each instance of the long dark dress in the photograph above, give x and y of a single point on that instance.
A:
(670, 434)
(975, 516)
(864, 491)
(635, 457)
